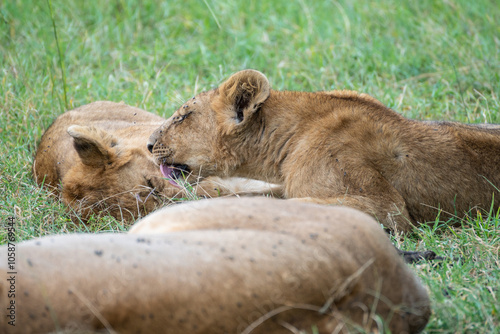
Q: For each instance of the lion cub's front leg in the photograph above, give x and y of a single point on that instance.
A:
(392, 215)
(363, 188)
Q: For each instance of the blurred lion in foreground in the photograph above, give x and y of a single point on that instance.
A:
(226, 265)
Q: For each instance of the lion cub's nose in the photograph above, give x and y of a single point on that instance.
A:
(150, 146)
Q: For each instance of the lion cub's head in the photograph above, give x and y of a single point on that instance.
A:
(111, 176)
(198, 138)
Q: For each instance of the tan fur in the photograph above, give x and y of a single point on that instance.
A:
(337, 147)
(249, 265)
(96, 158)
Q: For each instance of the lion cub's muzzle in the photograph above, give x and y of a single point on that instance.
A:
(152, 140)
(173, 172)
(162, 154)
(160, 151)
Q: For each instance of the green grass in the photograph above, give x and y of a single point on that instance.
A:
(426, 59)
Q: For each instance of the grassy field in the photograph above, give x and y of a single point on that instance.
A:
(436, 60)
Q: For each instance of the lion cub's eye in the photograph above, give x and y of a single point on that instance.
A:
(180, 118)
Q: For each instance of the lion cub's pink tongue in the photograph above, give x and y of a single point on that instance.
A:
(168, 172)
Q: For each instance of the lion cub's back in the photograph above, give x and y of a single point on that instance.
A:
(113, 114)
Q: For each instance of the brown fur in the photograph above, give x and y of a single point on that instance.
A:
(96, 158)
(338, 147)
(252, 265)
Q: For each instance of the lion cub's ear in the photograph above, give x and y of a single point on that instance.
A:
(240, 96)
(93, 145)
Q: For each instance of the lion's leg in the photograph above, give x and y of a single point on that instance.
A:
(393, 215)
(398, 219)
(355, 184)
(218, 187)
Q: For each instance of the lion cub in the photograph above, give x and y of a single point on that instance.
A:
(337, 147)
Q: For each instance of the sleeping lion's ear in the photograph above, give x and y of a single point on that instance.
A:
(240, 96)
(93, 145)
